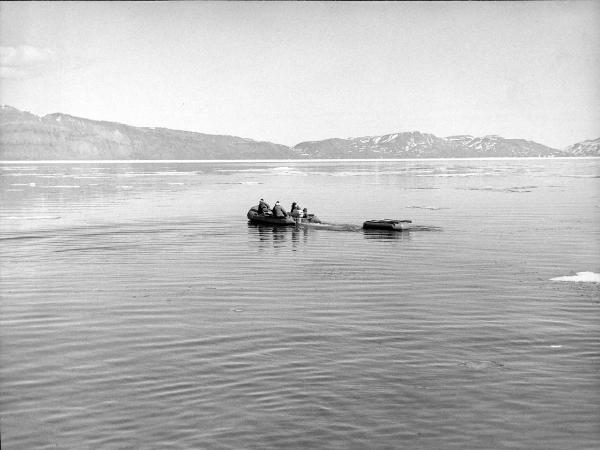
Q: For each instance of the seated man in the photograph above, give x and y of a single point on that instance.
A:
(278, 210)
(263, 207)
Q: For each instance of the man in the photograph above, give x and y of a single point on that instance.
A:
(263, 207)
(278, 210)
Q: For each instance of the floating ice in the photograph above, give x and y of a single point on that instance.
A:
(432, 208)
(581, 277)
(162, 174)
(458, 174)
(482, 365)
(32, 217)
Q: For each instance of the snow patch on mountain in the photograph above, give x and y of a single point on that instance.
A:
(591, 147)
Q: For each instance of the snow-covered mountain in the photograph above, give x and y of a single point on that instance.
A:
(25, 136)
(422, 145)
(590, 147)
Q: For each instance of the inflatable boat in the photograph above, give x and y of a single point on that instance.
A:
(255, 217)
(263, 219)
(387, 224)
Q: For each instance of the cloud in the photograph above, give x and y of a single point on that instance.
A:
(25, 61)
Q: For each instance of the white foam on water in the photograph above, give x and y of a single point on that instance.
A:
(62, 186)
(581, 277)
(23, 184)
(176, 184)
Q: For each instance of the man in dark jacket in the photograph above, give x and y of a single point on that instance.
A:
(263, 207)
(278, 210)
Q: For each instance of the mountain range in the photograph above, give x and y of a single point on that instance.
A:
(25, 136)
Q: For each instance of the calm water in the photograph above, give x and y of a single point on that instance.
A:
(140, 310)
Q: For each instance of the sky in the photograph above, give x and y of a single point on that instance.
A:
(289, 72)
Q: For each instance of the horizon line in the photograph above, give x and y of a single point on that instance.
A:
(158, 161)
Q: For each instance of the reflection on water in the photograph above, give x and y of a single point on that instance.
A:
(141, 310)
(273, 236)
(387, 234)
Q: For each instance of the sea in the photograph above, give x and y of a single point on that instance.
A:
(140, 309)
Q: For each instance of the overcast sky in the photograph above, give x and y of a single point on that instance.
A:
(293, 71)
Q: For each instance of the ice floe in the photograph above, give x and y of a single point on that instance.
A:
(432, 208)
(581, 277)
(32, 217)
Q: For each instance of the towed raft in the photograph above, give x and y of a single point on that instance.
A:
(387, 224)
(262, 219)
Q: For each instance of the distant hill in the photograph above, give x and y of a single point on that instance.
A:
(421, 145)
(25, 136)
(586, 148)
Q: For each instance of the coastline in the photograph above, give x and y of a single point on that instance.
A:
(205, 161)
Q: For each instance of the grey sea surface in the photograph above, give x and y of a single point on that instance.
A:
(139, 309)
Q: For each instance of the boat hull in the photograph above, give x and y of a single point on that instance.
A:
(386, 224)
(261, 219)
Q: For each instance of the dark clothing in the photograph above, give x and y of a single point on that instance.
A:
(263, 207)
(296, 215)
(278, 211)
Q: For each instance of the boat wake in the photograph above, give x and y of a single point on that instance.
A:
(333, 226)
(354, 228)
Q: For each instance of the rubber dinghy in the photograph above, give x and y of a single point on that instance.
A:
(387, 224)
(255, 217)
